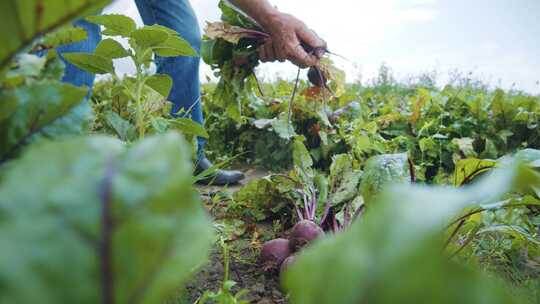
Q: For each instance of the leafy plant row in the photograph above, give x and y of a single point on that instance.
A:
(91, 218)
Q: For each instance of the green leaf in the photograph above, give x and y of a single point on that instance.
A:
(160, 124)
(110, 48)
(468, 169)
(77, 121)
(39, 105)
(382, 170)
(159, 233)
(234, 17)
(501, 107)
(429, 146)
(91, 63)
(283, 127)
(394, 254)
(64, 35)
(175, 46)
(160, 83)
(260, 198)
(115, 25)
(363, 143)
(207, 51)
(188, 127)
(301, 156)
(148, 37)
(8, 105)
(24, 20)
(122, 127)
(344, 179)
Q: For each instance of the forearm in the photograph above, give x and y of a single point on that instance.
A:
(260, 10)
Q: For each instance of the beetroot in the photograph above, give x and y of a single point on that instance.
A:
(303, 233)
(274, 252)
(316, 77)
(287, 263)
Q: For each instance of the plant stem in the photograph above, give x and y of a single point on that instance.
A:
(225, 260)
(138, 102)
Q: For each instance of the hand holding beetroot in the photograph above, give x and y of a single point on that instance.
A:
(290, 39)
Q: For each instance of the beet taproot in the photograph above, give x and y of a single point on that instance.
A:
(274, 252)
(303, 233)
(316, 77)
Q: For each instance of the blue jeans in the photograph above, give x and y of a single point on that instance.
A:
(177, 15)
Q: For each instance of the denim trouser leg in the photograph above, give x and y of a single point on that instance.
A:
(73, 74)
(179, 16)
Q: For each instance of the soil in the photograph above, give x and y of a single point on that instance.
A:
(262, 286)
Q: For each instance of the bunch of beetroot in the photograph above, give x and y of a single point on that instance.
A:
(280, 253)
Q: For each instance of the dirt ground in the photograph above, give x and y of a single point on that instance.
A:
(262, 286)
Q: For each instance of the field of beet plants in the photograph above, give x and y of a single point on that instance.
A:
(374, 192)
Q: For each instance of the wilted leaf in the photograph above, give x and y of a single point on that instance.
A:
(335, 76)
(230, 33)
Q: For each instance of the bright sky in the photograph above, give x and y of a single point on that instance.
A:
(497, 40)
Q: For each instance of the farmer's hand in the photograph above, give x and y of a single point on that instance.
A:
(287, 33)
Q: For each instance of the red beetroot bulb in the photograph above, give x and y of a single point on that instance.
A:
(303, 233)
(274, 252)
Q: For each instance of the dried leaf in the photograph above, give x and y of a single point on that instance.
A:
(230, 33)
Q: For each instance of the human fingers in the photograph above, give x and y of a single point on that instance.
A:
(310, 38)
